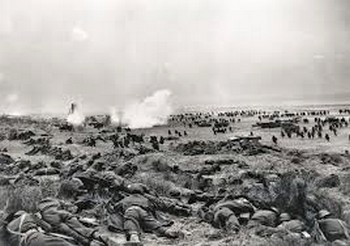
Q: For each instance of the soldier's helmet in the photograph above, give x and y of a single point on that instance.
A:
(77, 183)
(322, 214)
(284, 217)
(275, 210)
(48, 203)
(138, 188)
(240, 205)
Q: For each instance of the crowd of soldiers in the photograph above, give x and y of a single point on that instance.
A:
(289, 122)
(294, 211)
(132, 208)
(317, 130)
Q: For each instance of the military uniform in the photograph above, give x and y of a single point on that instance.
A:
(238, 206)
(138, 215)
(23, 231)
(107, 179)
(334, 229)
(225, 213)
(293, 225)
(112, 180)
(263, 217)
(137, 219)
(224, 218)
(64, 222)
(141, 212)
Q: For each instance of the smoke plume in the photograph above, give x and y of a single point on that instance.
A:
(75, 116)
(153, 110)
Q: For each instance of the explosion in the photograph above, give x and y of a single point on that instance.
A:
(153, 110)
(75, 116)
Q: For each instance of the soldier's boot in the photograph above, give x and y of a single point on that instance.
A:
(134, 240)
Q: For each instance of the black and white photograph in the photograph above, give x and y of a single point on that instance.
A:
(174, 122)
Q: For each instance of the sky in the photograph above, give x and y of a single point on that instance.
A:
(109, 53)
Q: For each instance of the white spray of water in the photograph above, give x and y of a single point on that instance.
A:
(76, 116)
(153, 110)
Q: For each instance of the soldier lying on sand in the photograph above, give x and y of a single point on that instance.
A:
(141, 211)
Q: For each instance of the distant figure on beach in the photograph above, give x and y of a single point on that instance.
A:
(72, 108)
(274, 139)
(327, 137)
